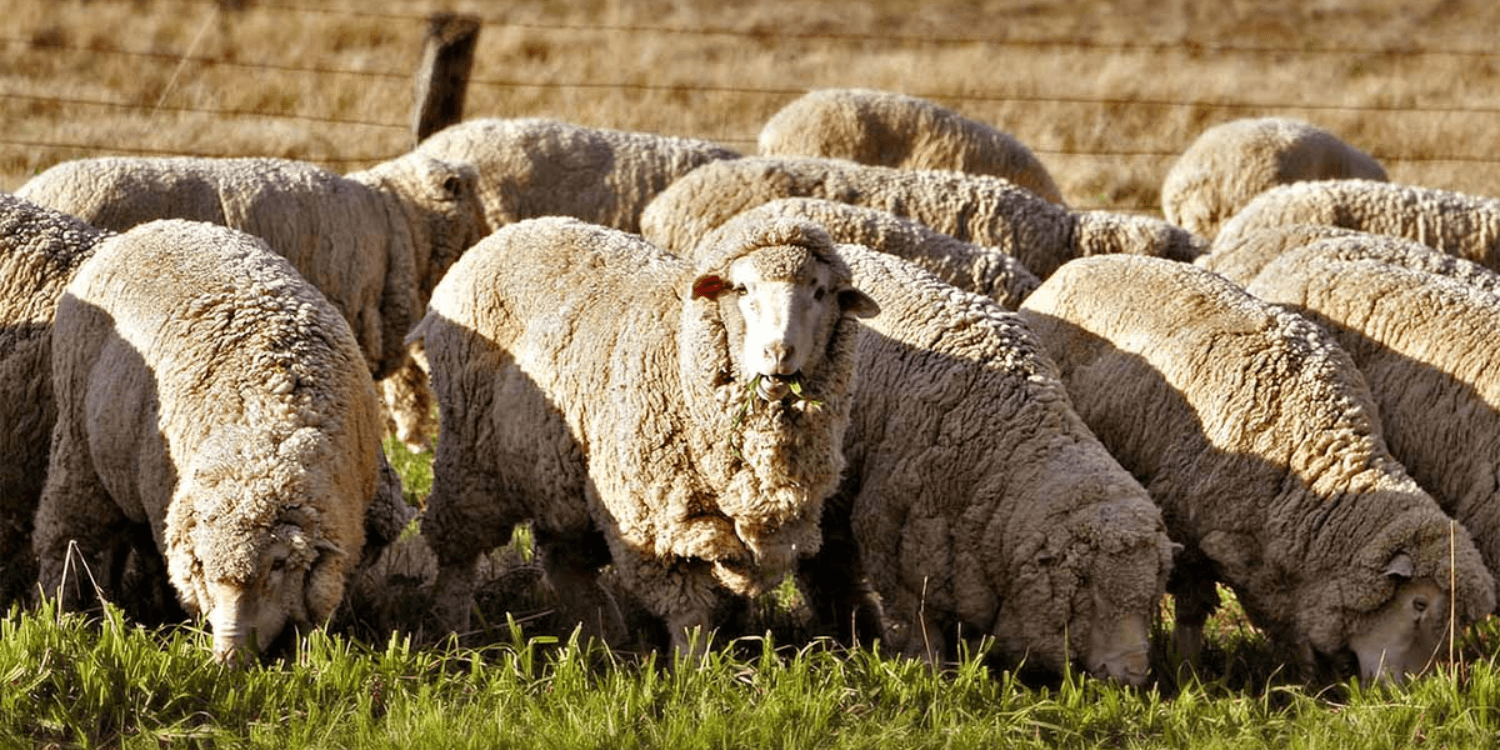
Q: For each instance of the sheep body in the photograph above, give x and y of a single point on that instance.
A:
(40, 250)
(897, 130)
(1425, 342)
(980, 209)
(601, 389)
(981, 270)
(533, 167)
(208, 393)
(1231, 163)
(1259, 439)
(1243, 260)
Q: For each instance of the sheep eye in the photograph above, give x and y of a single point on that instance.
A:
(819, 294)
(1419, 604)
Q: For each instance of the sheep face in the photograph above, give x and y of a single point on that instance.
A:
(786, 303)
(1407, 633)
(290, 584)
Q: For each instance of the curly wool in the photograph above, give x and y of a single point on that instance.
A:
(888, 129)
(40, 250)
(1425, 343)
(533, 167)
(1258, 438)
(981, 270)
(1231, 163)
(974, 208)
(1263, 249)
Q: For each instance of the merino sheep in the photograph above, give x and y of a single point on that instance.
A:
(1426, 344)
(533, 167)
(980, 209)
(1459, 224)
(1259, 439)
(39, 252)
(888, 129)
(692, 416)
(977, 269)
(1231, 163)
(207, 392)
(375, 242)
(978, 501)
(1244, 259)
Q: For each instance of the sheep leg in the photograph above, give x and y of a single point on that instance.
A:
(453, 594)
(79, 529)
(1195, 598)
(18, 570)
(572, 561)
(409, 403)
(834, 584)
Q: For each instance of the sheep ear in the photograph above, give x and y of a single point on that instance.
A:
(858, 304)
(1400, 567)
(709, 285)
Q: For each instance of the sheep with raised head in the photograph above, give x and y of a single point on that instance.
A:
(982, 270)
(40, 250)
(980, 209)
(889, 129)
(1425, 342)
(1230, 163)
(1244, 259)
(684, 421)
(1459, 224)
(1259, 439)
(533, 167)
(375, 242)
(207, 393)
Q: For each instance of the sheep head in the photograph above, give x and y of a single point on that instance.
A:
(294, 582)
(1408, 633)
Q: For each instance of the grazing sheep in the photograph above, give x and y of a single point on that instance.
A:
(683, 421)
(1426, 344)
(1231, 163)
(975, 208)
(208, 393)
(1459, 224)
(888, 129)
(375, 242)
(981, 270)
(979, 503)
(1259, 439)
(1244, 259)
(39, 252)
(533, 167)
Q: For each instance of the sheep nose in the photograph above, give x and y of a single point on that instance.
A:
(779, 354)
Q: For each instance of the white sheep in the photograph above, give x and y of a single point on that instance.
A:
(375, 242)
(39, 252)
(1232, 162)
(1426, 343)
(982, 270)
(688, 417)
(206, 391)
(980, 209)
(1242, 260)
(889, 129)
(533, 167)
(979, 504)
(1260, 441)
(1459, 224)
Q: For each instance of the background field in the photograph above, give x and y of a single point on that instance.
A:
(1106, 93)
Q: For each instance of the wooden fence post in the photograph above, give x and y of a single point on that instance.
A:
(443, 76)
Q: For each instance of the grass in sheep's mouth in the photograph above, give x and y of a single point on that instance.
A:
(794, 384)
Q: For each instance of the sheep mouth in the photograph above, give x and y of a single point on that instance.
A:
(774, 387)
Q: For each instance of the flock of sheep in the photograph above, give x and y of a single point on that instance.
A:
(882, 357)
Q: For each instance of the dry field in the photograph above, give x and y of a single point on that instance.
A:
(1106, 93)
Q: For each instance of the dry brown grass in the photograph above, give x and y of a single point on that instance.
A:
(1105, 116)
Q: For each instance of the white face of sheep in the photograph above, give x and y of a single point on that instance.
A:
(247, 617)
(1406, 635)
(789, 302)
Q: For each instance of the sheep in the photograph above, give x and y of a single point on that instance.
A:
(533, 167)
(1459, 224)
(682, 421)
(1258, 438)
(978, 502)
(1232, 162)
(1245, 258)
(1425, 342)
(375, 242)
(888, 129)
(975, 208)
(211, 397)
(39, 252)
(981, 270)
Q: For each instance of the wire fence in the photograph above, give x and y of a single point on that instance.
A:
(252, 71)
